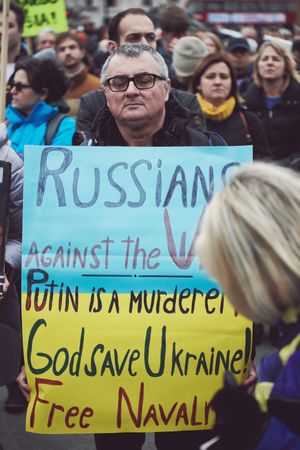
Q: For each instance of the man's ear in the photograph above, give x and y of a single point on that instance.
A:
(168, 89)
(111, 45)
(104, 90)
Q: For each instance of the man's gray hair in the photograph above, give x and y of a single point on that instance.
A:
(134, 51)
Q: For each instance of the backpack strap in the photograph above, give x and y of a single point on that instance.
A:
(215, 139)
(52, 127)
(245, 123)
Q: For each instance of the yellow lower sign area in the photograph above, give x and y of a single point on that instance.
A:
(142, 361)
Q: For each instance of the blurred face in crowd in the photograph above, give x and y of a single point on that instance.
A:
(210, 45)
(170, 39)
(240, 59)
(137, 29)
(249, 32)
(45, 40)
(271, 66)
(24, 98)
(215, 84)
(135, 107)
(70, 54)
(14, 34)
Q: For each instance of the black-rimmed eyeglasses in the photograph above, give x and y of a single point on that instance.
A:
(141, 81)
(19, 86)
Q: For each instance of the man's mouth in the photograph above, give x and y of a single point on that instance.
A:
(133, 104)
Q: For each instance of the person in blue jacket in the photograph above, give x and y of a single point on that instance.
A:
(38, 84)
(250, 243)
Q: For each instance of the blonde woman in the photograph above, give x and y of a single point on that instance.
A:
(250, 243)
(275, 97)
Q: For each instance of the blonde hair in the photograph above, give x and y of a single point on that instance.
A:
(216, 40)
(289, 62)
(250, 241)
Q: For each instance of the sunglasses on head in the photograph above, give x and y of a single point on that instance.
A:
(19, 86)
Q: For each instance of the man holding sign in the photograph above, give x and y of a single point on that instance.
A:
(142, 112)
(137, 331)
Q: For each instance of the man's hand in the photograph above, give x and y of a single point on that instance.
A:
(239, 421)
(6, 284)
(23, 385)
(252, 377)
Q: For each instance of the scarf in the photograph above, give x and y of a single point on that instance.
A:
(217, 113)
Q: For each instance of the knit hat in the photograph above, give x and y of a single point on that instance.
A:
(188, 51)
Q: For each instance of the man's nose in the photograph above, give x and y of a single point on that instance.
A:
(132, 89)
(144, 41)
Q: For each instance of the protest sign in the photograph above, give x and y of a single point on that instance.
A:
(41, 14)
(123, 331)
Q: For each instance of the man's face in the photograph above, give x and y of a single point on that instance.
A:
(137, 29)
(14, 34)
(240, 58)
(134, 106)
(170, 39)
(69, 53)
(46, 40)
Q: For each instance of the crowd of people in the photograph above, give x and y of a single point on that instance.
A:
(154, 81)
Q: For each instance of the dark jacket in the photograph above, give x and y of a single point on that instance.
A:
(175, 132)
(92, 103)
(10, 327)
(281, 123)
(242, 128)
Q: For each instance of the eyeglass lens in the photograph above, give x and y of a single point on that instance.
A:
(141, 81)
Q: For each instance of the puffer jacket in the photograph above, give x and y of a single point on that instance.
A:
(281, 123)
(32, 129)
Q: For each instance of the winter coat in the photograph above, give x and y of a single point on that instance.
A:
(281, 123)
(175, 132)
(92, 104)
(32, 129)
(242, 129)
(10, 326)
